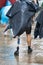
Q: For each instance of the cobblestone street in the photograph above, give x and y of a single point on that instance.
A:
(8, 46)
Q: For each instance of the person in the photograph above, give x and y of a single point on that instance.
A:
(39, 26)
(36, 2)
(5, 6)
(2, 4)
(20, 21)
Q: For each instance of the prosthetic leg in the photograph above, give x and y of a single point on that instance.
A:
(17, 51)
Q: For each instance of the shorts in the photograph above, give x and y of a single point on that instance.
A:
(28, 30)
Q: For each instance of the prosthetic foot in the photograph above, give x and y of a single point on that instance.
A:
(16, 53)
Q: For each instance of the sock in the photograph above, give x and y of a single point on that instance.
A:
(29, 47)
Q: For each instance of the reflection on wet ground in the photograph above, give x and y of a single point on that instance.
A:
(8, 47)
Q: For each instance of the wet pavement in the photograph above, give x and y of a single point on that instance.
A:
(8, 47)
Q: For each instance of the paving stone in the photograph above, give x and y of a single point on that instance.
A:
(39, 57)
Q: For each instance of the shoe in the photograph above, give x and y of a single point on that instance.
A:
(16, 53)
(30, 50)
